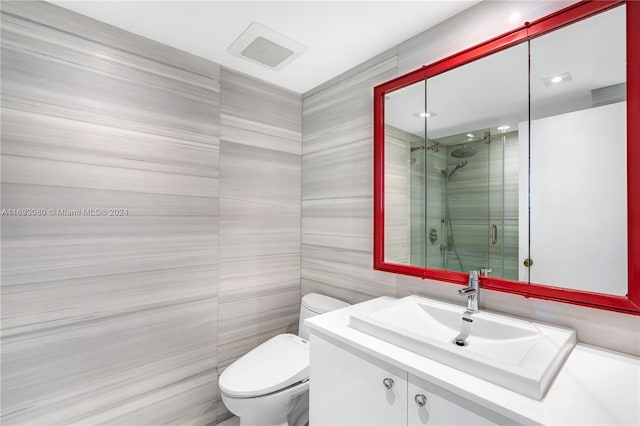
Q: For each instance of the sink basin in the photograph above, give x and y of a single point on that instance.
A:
(519, 355)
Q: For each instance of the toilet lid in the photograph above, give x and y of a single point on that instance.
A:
(277, 363)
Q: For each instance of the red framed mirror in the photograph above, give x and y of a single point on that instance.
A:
(531, 45)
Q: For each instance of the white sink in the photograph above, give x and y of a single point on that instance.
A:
(519, 355)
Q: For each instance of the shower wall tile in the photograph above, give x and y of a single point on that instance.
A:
(468, 198)
(260, 173)
(436, 162)
(482, 194)
(107, 319)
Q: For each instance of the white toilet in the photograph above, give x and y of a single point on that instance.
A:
(269, 386)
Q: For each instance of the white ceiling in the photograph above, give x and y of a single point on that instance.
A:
(493, 91)
(338, 34)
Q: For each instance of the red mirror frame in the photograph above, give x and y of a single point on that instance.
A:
(576, 12)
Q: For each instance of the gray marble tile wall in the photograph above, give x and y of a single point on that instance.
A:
(106, 319)
(337, 181)
(337, 185)
(260, 173)
(128, 320)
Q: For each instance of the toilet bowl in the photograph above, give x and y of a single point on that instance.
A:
(269, 386)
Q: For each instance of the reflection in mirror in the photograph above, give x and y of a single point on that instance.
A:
(404, 175)
(479, 106)
(578, 157)
(455, 148)
(513, 155)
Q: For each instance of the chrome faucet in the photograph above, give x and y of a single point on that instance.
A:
(472, 291)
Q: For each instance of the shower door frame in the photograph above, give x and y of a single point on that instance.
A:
(630, 303)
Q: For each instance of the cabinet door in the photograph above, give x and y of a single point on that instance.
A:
(442, 407)
(348, 387)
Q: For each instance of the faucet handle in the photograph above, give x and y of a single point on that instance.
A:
(467, 291)
(485, 271)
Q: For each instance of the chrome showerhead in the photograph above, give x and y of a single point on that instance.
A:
(464, 152)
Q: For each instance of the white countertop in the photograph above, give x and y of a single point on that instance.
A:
(594, 387)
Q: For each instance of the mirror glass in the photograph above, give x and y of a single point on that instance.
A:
(476, 109)
(471, 182)
(578, 151)
(453, 143)
(404, 184)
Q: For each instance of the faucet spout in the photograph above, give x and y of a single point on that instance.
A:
(461, 338)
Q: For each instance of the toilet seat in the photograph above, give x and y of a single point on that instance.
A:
(276, 364)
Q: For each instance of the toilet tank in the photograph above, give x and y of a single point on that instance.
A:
(315, 304)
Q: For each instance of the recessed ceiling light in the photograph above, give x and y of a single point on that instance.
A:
(425, 114)
(503, 128)
(514, 17)
(556, 79)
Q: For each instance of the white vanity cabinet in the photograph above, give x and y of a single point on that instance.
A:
(432, 405)
(349, 387)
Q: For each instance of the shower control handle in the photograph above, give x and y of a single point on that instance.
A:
(493, 237)
(420, 399)
(433, 235)
(388, 383)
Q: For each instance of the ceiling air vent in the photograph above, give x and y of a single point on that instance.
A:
(266, 47)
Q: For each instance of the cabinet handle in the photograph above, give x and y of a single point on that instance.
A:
(388, 383)
(421, 400)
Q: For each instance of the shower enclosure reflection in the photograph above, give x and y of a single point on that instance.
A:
(473, 178)
(459, 137)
